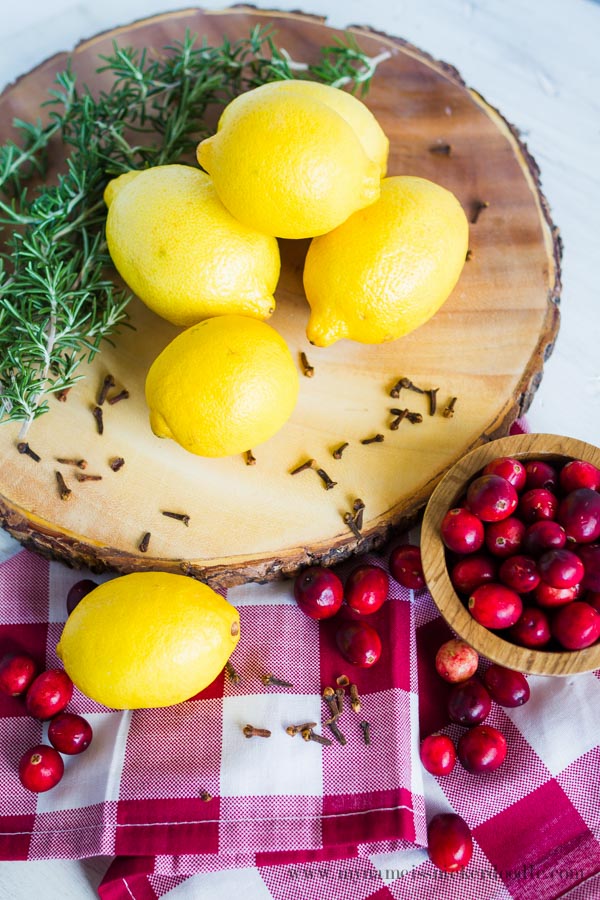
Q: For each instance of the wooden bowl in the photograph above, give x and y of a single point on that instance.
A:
(548, 447)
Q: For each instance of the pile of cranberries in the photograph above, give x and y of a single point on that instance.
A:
(523, 550)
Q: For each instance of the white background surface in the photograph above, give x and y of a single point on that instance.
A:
(533, 59)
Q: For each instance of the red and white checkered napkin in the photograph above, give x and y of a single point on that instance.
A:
(136, 792)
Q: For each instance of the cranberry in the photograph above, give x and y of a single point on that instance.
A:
(507, 687)
(482, 749)
(456, 660)
(406, 567)
(438, 754)
(468, 703)
(471, 571)
(449, 842)
(366, 589)
(491, 498)
(78, 591)
(70, 733)
(461, 531)
(49, 694)
(508, 468)
(579, 474)
(505, 537)
(590, 557)
(579, 514)
(576, 625)
(495, 606)
(540, 474)
(16, 674)
(358, 643)
(319, 592)
(537, 504)
(544, 535)
(519, 573)
(561, 568)
(548, 596)
(41, 768)
(532, 628)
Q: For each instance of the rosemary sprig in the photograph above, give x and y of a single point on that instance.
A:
(57, 303)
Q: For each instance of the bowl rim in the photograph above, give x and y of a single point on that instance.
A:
(489, 644)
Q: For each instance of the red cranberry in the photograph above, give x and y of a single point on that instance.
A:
(532, 628)
(560, 568)
(548, 596)
(495, 606)
(456, 660)
(540, 474)
(449, 842)
(41, 768)
(579, 514)
(358, 643)
(468, 703)
(471, 571)
(537, 504)
(509, 468)
(461, 531)
(506, 537)
(70, 733)
(319, 592)
(482, 749)
(78, 591)
(406, 567)
(438, 754)
(544, 535)
(579, 474)
(507, 687)
(519, 573)
(367, 589)
(576, 625)
(49, 694)
(491, 498)
(590, 557)
(16, 674)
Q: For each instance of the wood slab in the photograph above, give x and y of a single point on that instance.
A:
(486, 347)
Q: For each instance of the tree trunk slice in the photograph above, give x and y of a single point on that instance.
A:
(486, 346)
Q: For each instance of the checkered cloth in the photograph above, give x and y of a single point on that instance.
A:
(290, 820)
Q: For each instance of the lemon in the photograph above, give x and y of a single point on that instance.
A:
(287, 163)
(148, 639)
(180, 251)
(222, 386)
(389, 267)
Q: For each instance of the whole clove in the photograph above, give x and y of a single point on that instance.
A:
(349, 521)
(249, 458)
(64, 491)
(408, 385)
(180, 517)
(116, 463)
(337, 453)
(269, 680)
(354, 698)
(309, 735)
(205, 796)
(83, 476)
(145, 542)
(342, 681)
(449, 410)
(251, 731)
(62, 395)
(366, 730)
(334, 729)
(116, 398)
(358, 507)
(307, 369)
(432, 394)
(24, 448)
(231, 673)
(376, 439)
(107, 385)
(414, 417)
(97, 413)
(293, 730)
(309, 464)
(80, 463)
(329, 484)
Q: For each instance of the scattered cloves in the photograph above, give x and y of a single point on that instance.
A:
(116, 463)
(145, 542)
(358, 508)
(342, 681)
(354, 698)
(307, 369)
(205, 796)
(408, 385)
(376, 439)
(83, 476)
(116, 398)
(332, 705)
(64, 491)
(337, 453)
(97, 413)
(180, 517)
(232, 675)
(414, 417)
(432, 394)
(399, 414)
(333, 727)
(107, 385)
(309, 464)
(449, 410)
(309, 735)
(249, 458)
(61, 396)
(349, 521)
(478, 208)
(293, 730)
(366, 730)
(339, 696)
(24, 448)
(271, 680)
(80, 463)
(326, 479)
(251, 731)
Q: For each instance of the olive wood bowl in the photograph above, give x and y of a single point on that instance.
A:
(547, 447)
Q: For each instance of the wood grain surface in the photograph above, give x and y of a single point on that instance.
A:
(548, 447)
(486, 346)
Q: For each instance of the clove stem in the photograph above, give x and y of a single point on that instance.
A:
(64, 491)
(107, 384)
(307, 369)
(24, 448)
(337, 453)
(180, 517)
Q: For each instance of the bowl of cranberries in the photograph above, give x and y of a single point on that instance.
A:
(510, 548)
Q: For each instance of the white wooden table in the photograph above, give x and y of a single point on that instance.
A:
(537, 62)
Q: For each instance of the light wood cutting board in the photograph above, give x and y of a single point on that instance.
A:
(486, 347)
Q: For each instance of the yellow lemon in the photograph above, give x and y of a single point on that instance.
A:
(287, 163)
(389, 267)
(223, 386)
(148, 639)
(182, 253)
